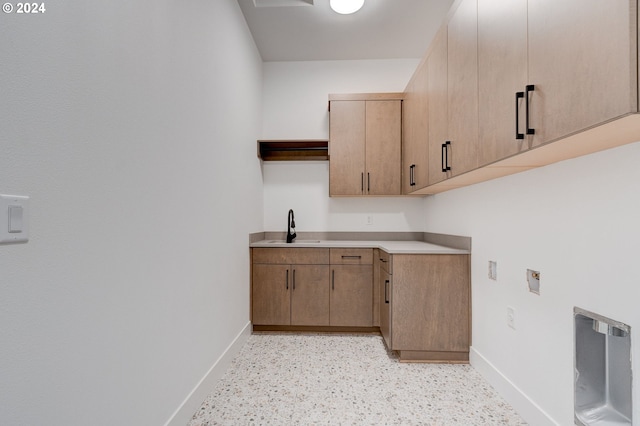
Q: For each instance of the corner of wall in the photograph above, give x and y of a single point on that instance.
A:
(195, 398)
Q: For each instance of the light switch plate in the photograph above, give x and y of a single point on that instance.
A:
(14, 219)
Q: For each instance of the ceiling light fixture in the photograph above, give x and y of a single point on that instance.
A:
(345, 7)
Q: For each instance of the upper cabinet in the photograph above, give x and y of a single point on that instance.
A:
(462, 89)
(415, 132)
(518, 84)
(502, 77)
(549, 69)
(365, 144)
(582, 64)
(453, 96)
(438, 102)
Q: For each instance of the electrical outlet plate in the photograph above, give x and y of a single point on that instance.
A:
(493, 270)
(511, 317)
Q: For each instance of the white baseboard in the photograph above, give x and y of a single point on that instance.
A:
(193, 401)
(525, 406)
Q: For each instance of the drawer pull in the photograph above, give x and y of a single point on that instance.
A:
(382, 260)
(286, 280)
(351, 257)
(386, 291)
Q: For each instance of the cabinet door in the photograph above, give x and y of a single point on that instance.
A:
(430, 303)
(582, 62)
(415, 132)
(310, 295)
(462, 86)
(270, 294)
(351, 295)
(347, 148)
(385, 306)
(438, 115)
(383, 145)
(502, 72)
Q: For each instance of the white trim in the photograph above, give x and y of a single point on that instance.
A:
(525, 406)
(185, 411)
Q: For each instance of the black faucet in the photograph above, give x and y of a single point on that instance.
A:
(291, 227)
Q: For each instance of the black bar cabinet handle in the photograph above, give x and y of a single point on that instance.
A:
(368, 182)
(287, 280)
(519, 95)
(362, 181)
(351, 257)
(530, 88)
(294, 279)
(386, 291)
(447, 146)
(443, 149)
(412, 175)
(333, 279)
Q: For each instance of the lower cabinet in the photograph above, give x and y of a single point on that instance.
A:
(351, 302)
(421, 302)
(425, 306)
(303, 287)
(290, 294)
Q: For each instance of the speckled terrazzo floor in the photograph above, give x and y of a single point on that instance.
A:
(328, 379)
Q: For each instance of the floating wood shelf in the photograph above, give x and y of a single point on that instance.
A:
(293, 150)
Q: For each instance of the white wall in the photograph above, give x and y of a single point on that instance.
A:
(295, 106)
(577, 223)
(124, 121)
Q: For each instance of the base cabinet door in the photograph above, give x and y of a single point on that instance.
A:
(271, 296)
(430, 304)
(385, 306)
(310, 295)
(351, 295)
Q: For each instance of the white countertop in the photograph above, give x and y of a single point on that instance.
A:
(392, 247)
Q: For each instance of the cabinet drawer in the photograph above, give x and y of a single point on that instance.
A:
(288, 256)
(385, 261)
(348, 256)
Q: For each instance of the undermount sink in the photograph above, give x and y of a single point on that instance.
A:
(294, 241)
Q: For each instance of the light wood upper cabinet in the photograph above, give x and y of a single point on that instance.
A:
(365, 144)
(582, 60)
(346, 148)
(555, 80)
(573, 63)
(453, 96)
(462, 88)
(383, 147)
(415, 132)
(502, 72)
(438, 103)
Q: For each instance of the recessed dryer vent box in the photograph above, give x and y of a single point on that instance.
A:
(533, 279)
(602, 368)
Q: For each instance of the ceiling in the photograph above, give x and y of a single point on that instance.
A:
(308, 30)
